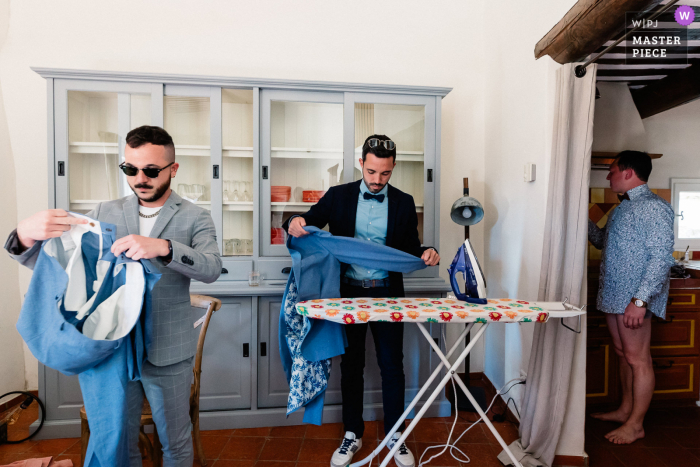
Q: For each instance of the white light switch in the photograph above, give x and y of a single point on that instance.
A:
(530, 173)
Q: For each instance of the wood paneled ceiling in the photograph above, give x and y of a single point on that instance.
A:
(656, 84)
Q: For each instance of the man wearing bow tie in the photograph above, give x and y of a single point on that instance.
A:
(372, 210)
(637, 243)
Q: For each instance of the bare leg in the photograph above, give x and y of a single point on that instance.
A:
(635, 344)
(622, 413)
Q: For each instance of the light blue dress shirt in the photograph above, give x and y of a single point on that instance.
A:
(637, 244)
(371, 225)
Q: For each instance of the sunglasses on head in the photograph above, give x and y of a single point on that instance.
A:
(150, 172)
(388, 144)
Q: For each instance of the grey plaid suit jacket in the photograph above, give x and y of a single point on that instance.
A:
(195, 256)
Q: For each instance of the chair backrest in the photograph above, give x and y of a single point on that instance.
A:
(210, 304)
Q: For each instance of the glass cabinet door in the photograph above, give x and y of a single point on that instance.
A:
(239, 195)
(410, 122)
(302, 156)
(187, 119)
(92, 120)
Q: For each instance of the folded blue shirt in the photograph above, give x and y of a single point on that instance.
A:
(307, 345)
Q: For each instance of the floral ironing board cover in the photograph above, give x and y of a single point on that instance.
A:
(431, 310)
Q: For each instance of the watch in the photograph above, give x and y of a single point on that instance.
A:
(639, 303)
(169, 256)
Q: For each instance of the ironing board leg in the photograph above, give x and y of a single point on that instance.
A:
(450, 373)
(462, 386)
(415, 400)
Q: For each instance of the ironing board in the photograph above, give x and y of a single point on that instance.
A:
(435, 310)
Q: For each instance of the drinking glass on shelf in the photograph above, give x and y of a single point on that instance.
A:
(248, 246)
(247, 195)
(235, 196)
(254, 278)
(228, 247)
(197, 191)
(237, 246)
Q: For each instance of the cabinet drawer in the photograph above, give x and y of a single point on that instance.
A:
(683, 299)
(676, 378)
(601, 372)
(677, 335)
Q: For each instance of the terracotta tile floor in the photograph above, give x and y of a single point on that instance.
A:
(293, 446)
(673, 440)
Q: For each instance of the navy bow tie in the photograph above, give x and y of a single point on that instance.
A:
(379, 198)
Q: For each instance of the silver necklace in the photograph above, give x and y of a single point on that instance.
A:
(149, 216)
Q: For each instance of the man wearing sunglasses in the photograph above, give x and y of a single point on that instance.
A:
(180, 240)
(372, 210)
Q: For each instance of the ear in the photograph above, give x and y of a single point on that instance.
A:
(173, 169)
(629, 173)
(362, 163)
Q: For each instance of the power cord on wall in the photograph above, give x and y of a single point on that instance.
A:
(453, 446)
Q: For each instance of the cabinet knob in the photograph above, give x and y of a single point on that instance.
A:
(224, 271)
(263, 349)
(287, 270)
(246, 350)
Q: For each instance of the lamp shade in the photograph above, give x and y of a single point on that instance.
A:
(466, 211)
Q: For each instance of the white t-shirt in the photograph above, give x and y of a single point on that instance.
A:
(146, 224)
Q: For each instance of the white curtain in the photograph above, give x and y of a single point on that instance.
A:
(549, 375)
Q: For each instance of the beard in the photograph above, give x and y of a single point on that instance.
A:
(160, 191)
(375, 187)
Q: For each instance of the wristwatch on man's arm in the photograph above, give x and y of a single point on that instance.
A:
(169, 257)
(639, 303)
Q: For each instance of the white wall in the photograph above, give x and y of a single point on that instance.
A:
(423, 44)
(12, 361)
(519, 114)
(674, 133)
(497, 118)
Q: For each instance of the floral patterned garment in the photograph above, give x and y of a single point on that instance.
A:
(431, 310)
(308, 379)
(637, 244)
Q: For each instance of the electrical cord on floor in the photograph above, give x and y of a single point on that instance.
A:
(453, 446)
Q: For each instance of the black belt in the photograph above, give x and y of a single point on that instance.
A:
(367, 283)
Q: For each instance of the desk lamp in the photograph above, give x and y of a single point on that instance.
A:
(468, 211)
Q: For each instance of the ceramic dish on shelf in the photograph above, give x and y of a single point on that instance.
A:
(312, 196)
(280, 194)
(277, 236)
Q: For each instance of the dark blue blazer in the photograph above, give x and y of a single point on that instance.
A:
(338, 210)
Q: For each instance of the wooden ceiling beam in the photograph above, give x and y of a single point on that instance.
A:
(676, 89)
(586, 27)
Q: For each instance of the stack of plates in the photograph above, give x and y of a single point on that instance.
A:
(312, 196)
(280, 194)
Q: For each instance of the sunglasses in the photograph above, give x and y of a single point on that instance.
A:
(375, 142)
(150, 172)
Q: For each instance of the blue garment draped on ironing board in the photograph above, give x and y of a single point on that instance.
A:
(307, 345)
(87, 312)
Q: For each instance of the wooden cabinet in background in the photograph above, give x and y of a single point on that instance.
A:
(675, 348)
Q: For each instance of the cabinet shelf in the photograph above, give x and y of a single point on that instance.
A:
(401, 156)
(180, 149)
(88, 204)
(306, 153)
(293, 206)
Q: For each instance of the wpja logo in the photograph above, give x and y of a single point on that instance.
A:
(684, 15)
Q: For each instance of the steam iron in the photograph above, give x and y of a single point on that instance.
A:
(465, 262)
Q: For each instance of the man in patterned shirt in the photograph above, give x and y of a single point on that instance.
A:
(637, 244)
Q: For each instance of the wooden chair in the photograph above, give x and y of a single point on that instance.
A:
(154, 449)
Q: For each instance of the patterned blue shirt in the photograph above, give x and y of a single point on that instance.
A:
(637, 244)
(370, 224)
